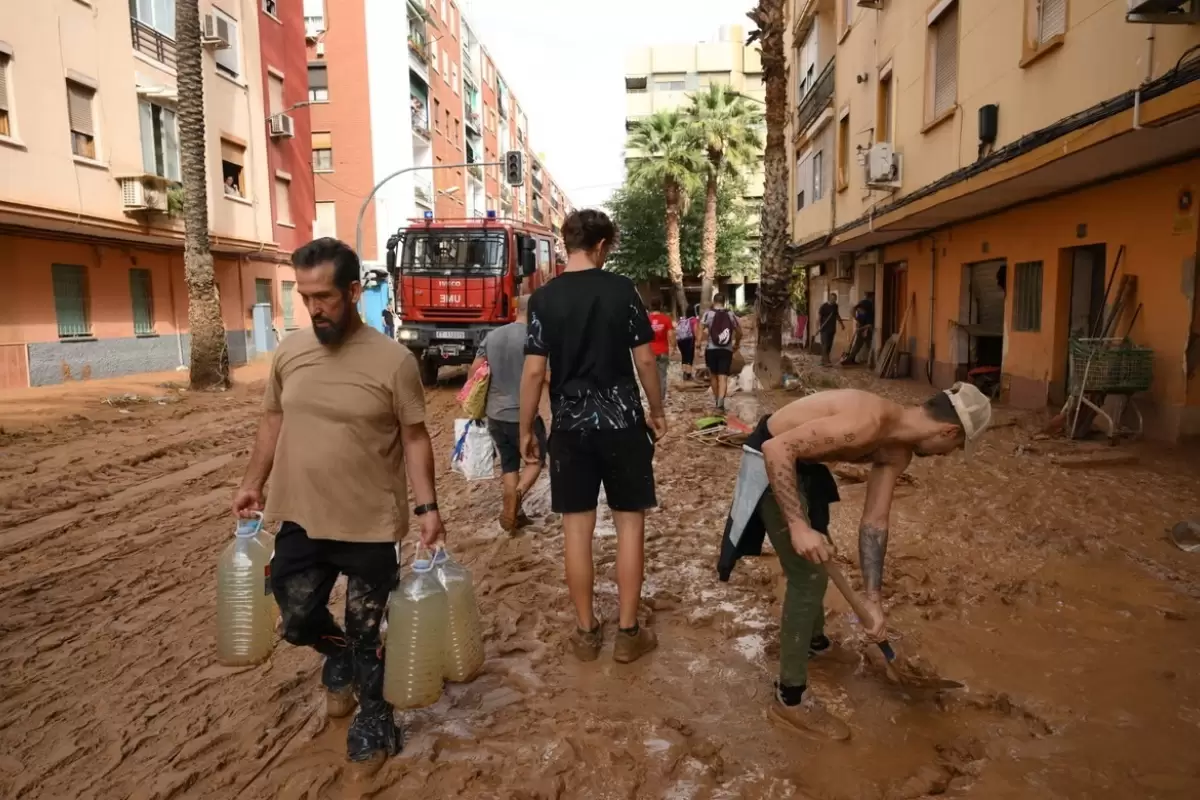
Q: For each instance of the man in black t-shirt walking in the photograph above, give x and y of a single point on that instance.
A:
(582, 326)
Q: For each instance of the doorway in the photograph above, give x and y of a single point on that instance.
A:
(980, 337)
(1088, 266)
(895, 298)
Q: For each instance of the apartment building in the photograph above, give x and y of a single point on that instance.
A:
(662, 77)
(460, 115)
(90, 208)
(990, 169)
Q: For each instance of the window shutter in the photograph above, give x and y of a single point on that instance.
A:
(318, 77)
(70, 299)
(3, 82)
(286, 290)
(143, 306)
(170, 144)
(322, 141)
(275, 94)
(146, 125)
(1052, 19)
(234, 154)
(945, 76)
(79, 108)
(283, 201)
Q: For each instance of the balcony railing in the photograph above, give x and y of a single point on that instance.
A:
(314, 26)
(473, 119)
(417, 43)
(536, 179)
(153, 43)
(820, 96)
(420, 123)
(537, 214)
(476, 171)
(423, 187)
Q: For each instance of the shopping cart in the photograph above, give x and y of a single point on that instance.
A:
(1103, 367)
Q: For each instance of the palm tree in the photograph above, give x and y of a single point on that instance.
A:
(774, 286)
(668, 157)
(210, 354)
(726, 127)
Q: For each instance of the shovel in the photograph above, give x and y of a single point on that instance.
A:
(894, 674)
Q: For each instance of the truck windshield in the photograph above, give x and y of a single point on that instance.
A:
(450, 252)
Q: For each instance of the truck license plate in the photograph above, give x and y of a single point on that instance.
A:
(451, 349)
(452, 335)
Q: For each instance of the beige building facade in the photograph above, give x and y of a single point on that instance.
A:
(987, 169)
(90, 219)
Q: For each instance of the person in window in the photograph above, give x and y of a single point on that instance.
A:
(231, 188)
(582, 326)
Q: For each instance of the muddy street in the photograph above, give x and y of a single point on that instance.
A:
(1046, 586)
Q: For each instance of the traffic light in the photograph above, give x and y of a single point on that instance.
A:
(514, 167)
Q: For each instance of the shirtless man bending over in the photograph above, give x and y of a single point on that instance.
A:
(784, 488)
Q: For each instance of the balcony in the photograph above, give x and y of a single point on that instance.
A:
(505, 192)
(538, 216)
(476, 171)
(536, 180)
(420, 121)
(816, 100)
(314, 26)
(474, 121)
(468, 66)
(423, 188)
(418, 44)
(150, 42)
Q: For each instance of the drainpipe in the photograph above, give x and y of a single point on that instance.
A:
(174, 312)
(1137, 95)
(932, 294)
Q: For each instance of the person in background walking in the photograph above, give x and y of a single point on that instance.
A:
(662, 326)
(723, 334)
(687, 328)
(582, 326)
(343, 421)
(504, 351)
(827, 316)
(864, 327)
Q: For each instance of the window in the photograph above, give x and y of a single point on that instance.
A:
(287, 295)
(883, 108)
(1027, 297)
(79, 112)
(847, 14)
(160, 140)
(818, 181)
(445, 15)
(318, 83)
(143, 302)
(274, 93)
(158, 14)
(71, 301)
(669, 86)
(943, 60)
(322, 152)
(433, 54)
(262, 292)
(843, 153)
(325, 220)
(228, 60)
(454, 77)
(437, 115)
(269, 6)
(233, 161)
(445, 64)
(1049, 19)
(283, 200)
(5, 124)
(637, 84)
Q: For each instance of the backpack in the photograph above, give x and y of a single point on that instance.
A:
(683, 328)
(720, 328)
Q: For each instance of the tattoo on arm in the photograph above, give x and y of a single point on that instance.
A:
(872, 547)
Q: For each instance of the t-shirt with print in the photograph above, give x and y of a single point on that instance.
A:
(504, 349)
(706, 322)
(585, 324)
(339, 463)
(660, 323)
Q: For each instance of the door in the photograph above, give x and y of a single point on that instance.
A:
(895, 299)
(1088, 266)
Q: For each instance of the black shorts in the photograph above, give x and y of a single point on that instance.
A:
(621, 460)
(374, 562)
(719, 362)
(687, 351)
(507, 438)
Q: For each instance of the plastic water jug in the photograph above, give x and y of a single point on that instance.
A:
(464, 637)
(246, 609)
(416, 634)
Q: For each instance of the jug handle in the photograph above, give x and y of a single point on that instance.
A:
(250, 527)
(419, 548)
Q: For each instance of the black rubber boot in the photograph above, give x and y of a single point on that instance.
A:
(338, 678)
(373, 735)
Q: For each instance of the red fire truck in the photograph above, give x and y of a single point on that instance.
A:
(456, 280)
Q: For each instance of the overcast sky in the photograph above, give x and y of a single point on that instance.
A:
(565, 63)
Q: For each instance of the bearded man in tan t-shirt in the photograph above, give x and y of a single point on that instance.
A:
(343, 416)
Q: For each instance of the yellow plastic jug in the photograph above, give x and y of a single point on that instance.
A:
(246, 609)
(464, 636)
(415, 656)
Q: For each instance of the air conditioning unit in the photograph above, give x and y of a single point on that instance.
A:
(883, 166)
(140, 194)
(876, 5)
(282, 126)
(320, 49)
(215, 33)
(1163, 12)
(844, 270)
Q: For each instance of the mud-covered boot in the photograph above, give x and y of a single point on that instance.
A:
(508, 511)
(825, 650)
(586, 644)
(373, 736)
(337, 676)
(809, 717)
(630, 646)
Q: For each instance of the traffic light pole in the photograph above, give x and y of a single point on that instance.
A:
(362, 211)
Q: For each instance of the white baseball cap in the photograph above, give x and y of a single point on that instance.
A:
(974, 411)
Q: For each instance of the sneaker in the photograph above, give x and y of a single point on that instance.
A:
(809, 718)
(373, 737)
(586, 644)
(523, 520)
(338, 678)
(631, 647)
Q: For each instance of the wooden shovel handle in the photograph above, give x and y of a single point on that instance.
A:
(856, 603)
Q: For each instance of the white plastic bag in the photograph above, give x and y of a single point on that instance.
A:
(473, 455)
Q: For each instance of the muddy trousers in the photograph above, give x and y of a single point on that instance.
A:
(303, 574)
(804, 601)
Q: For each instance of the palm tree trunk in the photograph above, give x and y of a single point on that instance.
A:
(774, 271)
(708, 265)
(674, 261)
(210, 354)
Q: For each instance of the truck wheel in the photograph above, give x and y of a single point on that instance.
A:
(429, 372)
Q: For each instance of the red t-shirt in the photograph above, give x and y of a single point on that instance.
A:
(661, 324)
